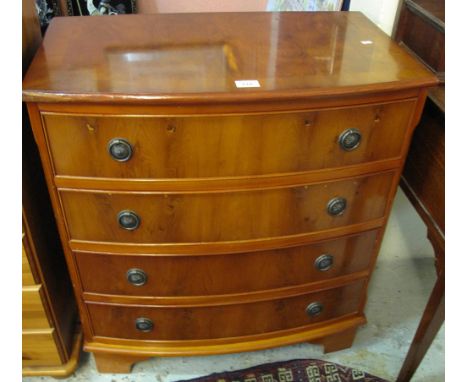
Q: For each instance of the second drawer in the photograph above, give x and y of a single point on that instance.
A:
(147, 275)
(230, 216)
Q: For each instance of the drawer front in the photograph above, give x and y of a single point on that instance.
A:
(212, 217)
(27, 276)
(195, 323)
(40, 349)
(217, 146)
(146, 275)
(34, 315)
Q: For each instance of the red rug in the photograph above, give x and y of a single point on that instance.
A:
(300, 370)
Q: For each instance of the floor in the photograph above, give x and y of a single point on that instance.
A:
(398, 292)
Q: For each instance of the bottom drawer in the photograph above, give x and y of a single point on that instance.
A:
(209, 322)
(40, 349)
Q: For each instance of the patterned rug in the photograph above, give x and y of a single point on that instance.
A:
(300, 370)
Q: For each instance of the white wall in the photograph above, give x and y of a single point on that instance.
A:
(381, 12)
(174, 6)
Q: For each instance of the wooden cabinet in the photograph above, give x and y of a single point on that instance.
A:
(203, 217)
(421, 30)
(50, 340)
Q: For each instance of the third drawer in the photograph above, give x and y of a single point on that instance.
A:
(199, 275)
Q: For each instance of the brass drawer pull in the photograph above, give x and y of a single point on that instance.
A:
(120, 149)
(136, 277)
(144, 324)
(128, 220)
(336, 206)
(314, 309)
(350, 139)
(324, 262)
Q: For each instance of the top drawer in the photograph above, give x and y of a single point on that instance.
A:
(224, 146)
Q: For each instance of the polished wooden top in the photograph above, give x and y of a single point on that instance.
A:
(198, 57)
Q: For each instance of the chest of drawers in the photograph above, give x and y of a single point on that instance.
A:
(200, 216)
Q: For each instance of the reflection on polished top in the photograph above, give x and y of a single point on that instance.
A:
(184, 57)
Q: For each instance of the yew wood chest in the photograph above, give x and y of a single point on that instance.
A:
(221, 182)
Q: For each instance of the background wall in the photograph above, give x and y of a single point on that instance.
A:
(173, 6)
(381, 12)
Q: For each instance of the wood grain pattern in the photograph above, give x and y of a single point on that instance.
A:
(27, 276)
(206, 275)
(224, 299)
(435, 8)
(223, 321)
(241, 183)
(223, 247)
(40, 348)
(61, 371)
(34, 315)
(240, 106)
(169, 147)
(423, 32)
(424, 171)
(315, 332)
(172, 218)
(199, 56)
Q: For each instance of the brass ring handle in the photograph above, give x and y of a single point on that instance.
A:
(350, 139)
(136, 277)
(314, 309)
(336, 206)
(324, 262)
(144, 324)
(120, 149)
(128, 220)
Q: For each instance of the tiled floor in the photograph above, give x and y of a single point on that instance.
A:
(399, 290)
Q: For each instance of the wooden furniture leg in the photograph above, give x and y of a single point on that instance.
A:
(433, 317)
(115, 363)
(339, 341)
